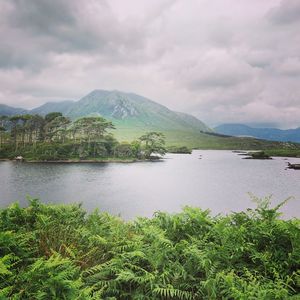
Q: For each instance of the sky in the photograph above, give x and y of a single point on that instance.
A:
(224, 61)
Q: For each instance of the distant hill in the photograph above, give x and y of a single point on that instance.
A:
(272, 134)
(62, 106)
(10, 111)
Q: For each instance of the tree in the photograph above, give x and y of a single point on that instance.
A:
(51, 125)
(25, 128)
(123, 150)
(57, 128)
(136, 148)
(51, 116)
(16, 128)
(153, 142)
(92, 130)
(2, 131)
(37, 124)
(3, 120)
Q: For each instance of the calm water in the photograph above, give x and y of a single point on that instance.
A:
(220, 181)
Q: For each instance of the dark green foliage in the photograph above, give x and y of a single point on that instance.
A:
(51, 116)
(258, 155)
(153, 143)
(123, 150)
(60, 252)
(179, 149)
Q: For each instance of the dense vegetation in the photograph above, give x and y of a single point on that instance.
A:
(60, 252)
(56, 137)
(258, 155)
(283, 152)
(179, 149)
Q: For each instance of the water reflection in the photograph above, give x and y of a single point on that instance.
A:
(219, 181)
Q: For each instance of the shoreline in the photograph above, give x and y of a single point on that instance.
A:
(133, 160)
(71, 161)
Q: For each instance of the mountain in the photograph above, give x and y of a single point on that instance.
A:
(272, 134)
(128, 109)
(62, 106)
(10, 111)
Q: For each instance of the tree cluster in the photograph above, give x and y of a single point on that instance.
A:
(55, 136)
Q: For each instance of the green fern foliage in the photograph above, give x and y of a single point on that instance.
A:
(61, 252)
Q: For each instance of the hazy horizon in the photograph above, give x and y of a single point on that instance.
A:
(222, 61)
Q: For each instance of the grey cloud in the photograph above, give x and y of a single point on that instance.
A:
(221, 60)
(214, 69)
(289, 67)
(48, 27)
(42, 16)
(56, 24)
(286, 13)
(258, 58)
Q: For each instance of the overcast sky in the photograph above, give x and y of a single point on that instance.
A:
(221, 60)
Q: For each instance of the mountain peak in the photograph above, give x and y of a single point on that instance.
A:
(113, 104)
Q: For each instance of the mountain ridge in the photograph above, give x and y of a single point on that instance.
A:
(51, 106)
(271, 134)
(10, 111)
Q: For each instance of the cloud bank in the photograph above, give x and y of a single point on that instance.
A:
(223, 61)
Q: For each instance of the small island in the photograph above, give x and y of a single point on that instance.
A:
(179, 150)
(293, 166)
(257, 155)
(56, 138)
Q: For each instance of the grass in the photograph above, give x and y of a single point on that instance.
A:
(283, 152)
(199, 140)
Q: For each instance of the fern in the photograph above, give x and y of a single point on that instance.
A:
(60, 252)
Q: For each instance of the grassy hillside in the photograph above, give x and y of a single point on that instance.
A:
(200, 140)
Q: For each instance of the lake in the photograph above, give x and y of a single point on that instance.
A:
(210, 179)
